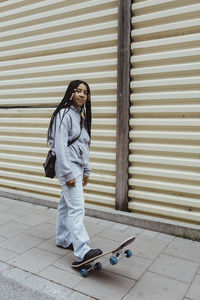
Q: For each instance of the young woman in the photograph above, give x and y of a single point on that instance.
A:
(72, 167)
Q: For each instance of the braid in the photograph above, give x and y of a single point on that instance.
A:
(88, 116)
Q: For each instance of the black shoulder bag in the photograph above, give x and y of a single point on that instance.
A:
(49, 164)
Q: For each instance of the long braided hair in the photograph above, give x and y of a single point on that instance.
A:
(66, 103)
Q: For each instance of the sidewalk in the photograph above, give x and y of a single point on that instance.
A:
(162, 267)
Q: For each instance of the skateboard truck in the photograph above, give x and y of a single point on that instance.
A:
(92, 266)
(119, 254)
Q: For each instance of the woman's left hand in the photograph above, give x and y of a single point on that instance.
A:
(71, 182)
(85, 180)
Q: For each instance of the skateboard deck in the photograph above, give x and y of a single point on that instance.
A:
(117, 253)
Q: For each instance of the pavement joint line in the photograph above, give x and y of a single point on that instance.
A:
(51, 252)
(53, 262)
(166, 276)
(181, 258)
(160, 248)
(152, 261)
(129, 289)
(189, 286)
(163, 225)
(35, 274)
(48, 280)
(73, 289)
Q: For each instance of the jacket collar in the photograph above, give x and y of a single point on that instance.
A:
(74, 109)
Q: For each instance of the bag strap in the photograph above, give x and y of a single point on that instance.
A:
(81, 126)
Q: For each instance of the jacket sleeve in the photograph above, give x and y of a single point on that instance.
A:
(87, 170)
(61, 148)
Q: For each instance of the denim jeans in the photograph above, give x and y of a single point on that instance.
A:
(70, 214)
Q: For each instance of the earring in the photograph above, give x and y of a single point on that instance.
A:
(71, 98)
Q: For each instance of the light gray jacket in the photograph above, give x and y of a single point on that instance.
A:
(65, 131)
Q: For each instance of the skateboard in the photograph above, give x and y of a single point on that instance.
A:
(90, 264)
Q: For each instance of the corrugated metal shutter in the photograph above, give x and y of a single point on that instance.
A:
(45, 45)
(165, 109)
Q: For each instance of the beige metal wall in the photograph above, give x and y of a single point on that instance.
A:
(43, 46)
(165, 109)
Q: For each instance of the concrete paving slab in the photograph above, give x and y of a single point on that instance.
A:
(46, 211)
(4, 200)
(178, 241)
(120, 227)
(43, 230)
(104, 244)
(194, 290)
(19, 210)
(34, 260)
(157, 287)
(148, 234)
(4, 267)
(162, 266)
(165, 237)
(6, 217)
(33, 219)
(43, 209)
(149, 248)
(12, 228)
(24, 203)
(92, 220)
(132, 268)
(132, 230)
(106, 224)
(2, 238)
(196, 245)
(185, 252)
(174, 267)
(20, 243)
(93, 230)
(52, 220)
(4, 206)
(65, 262)
(62, 277)
(6, 255)
(50, 245)
(115, 235)
(105, 285)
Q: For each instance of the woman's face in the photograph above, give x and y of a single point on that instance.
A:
(79, 97)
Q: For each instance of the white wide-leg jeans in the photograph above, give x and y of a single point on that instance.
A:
(70, 214)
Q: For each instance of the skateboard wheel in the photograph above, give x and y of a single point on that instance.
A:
(128, 253)
(98, 266)
(113, 260)
(84, 272)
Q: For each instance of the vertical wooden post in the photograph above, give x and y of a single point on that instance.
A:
(123, 103)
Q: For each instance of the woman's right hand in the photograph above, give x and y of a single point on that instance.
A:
(71, 182)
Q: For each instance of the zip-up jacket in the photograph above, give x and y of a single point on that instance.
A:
(67, 130)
